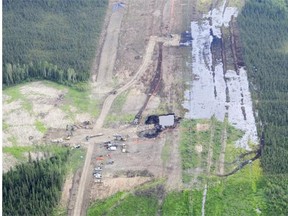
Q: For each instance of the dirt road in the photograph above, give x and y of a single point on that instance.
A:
(109, 50)
(104, 112)
(109, 100)
(147, 60)
(79, 199)
(105, 73)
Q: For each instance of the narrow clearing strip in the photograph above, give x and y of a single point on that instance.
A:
(99, 123)
(209, 162)
(223, 149)
(204, 200)
(109, 50)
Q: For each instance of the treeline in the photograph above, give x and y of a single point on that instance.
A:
(60, 36)
(264, 34)
(17, 73)
(34, 188)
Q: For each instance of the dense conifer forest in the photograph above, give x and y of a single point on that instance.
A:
(264, 32)
(34, 188)
(49, 39)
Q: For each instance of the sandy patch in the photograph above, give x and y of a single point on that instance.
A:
(153, 103)
(81, 117)
(66, 191)
(8, 162)
(202, 127)
(198, 149)
(5, 141)
(113, 185)
(109, 49)
(157, 13)
(5, 98)
(45, 101)
(18, 118)
(56, 119)
(40, 89)
(134, 101)
(22, 133)
(41, 108)
(10, 107)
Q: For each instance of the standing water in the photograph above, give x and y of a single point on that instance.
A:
(208, 94)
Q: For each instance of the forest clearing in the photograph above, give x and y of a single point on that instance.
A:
(161, 124)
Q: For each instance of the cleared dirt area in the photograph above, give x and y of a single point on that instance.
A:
(109, 50)
(134, 66)
(36, 113)
(129, 59)
(111, 186)
(202, 127)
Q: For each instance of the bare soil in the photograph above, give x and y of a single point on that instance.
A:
(8, 162)
(127, 62)
(66, 191)
(111, 186)
(140, 157)
(202, 127)
(198, 149)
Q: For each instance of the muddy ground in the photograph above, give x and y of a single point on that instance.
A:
(137, 27)
(126, 35)
(132, 33)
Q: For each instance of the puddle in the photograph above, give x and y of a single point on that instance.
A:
(216, 92)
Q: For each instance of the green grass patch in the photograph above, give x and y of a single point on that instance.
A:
(177, 204)
(59, 211)
(236, 3)
(203, 6)
(239, 194)
(190, 137)
(125, 204)
(187, 202)
(102, 207)
(82, 101)
(40, 126)
(77, 159)
(52, 149)
(5, 126)
(151, 184)
(213, 136)
(119, 102)
(135, 205)
(15, 94)
(217, 140)
(142, 201)
(79, 99)
(165, 154)
(187, 144)
(115, 119)
(13, 140)
(18, 151)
